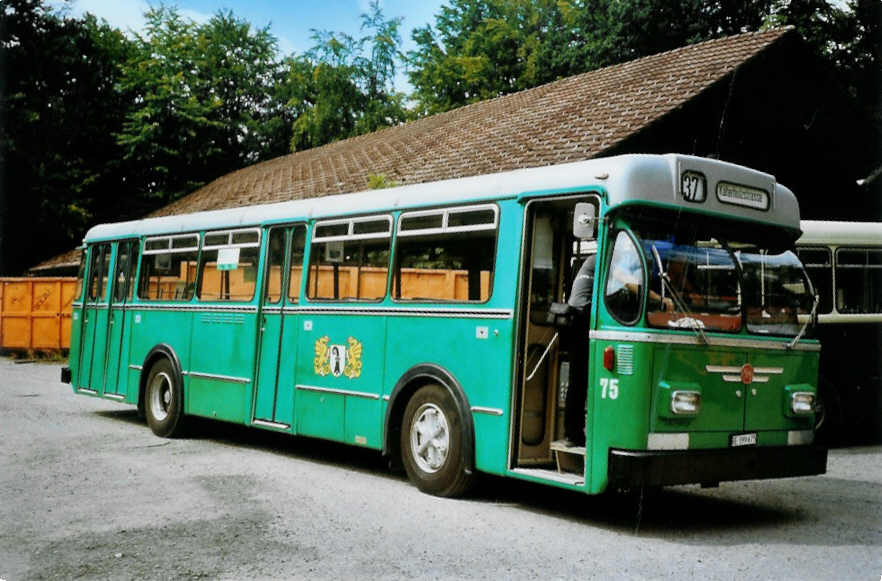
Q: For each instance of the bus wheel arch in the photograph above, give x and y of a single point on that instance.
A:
(408, 386)
(162, 371)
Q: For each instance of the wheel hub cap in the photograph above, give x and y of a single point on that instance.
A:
(430, 438)
(160, 396)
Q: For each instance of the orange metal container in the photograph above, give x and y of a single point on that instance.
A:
(35, 313)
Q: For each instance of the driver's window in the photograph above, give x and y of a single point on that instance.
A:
(624, 285)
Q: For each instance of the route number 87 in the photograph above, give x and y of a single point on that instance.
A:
(609, 388)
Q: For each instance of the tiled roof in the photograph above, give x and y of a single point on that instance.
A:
(571, 119)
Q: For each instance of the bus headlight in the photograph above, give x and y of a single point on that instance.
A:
(686, 402)
(802, 402)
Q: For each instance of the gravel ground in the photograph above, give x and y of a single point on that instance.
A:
(87, 492)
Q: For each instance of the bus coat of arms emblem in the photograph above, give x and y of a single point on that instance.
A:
(337, 359)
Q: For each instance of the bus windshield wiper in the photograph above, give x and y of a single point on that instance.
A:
(739, 268)
(805, 325)
(678, 300)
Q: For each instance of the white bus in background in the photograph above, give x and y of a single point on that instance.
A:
(844, 262)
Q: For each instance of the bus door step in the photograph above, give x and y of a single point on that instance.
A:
(568, 458)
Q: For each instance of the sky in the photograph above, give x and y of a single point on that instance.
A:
(290, 21)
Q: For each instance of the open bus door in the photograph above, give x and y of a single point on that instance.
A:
(553, 253)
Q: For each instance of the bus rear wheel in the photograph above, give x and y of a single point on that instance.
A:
(432, 443)
(164, 400)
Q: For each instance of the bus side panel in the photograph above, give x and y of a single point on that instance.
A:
(850, 370)
(320, 414)
(77, 326)
(478, 354)
(223, 346)
(290, 337)
(99, 323)
(268, 355)
(87, 336)
(153, 327)
(618, 405)
(76, 333)
(128, 381)
(117, 334)
(340, 378)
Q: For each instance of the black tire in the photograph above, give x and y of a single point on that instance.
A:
(436, 464)
(164, 400)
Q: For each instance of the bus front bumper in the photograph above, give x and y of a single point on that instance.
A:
(635, 468)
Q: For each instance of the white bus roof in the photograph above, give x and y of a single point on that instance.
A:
(828, 232)
(628, 179)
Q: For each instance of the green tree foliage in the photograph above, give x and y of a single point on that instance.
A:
(479, 49)
(60, 102)
(325, 91)
(380, 181)
(204, 101)
(621, 30)
(383, 105)
(100, 127)
(848, 37)
(863, 66)
(165, 130)
(471, 53)
(343, 86)
(241, 70)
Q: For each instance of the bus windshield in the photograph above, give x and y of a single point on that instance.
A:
(775, 290)
(716, 284)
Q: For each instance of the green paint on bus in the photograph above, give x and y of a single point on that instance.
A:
(430, 322)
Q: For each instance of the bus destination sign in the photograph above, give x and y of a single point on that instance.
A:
(743, 195)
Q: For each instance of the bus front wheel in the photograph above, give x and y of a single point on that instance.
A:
(432, 443)
(164, 400)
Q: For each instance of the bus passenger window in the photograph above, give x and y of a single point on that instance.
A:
(121, 280)
(133, 269)
(349, 259)
(99, 274)
(81, 272)
(276, 260)
(298, 244)
(228, 266)
(858, 281)
(819, 266)
(446, 255)
(624, 286)
(168, 268)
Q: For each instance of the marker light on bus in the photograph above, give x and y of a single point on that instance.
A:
(802, 402)
(609, 358)
(686, 402)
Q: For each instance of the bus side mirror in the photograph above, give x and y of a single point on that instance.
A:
(584, 221)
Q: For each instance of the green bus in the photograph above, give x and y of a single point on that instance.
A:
(430, 322)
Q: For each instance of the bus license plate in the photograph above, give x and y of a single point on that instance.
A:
(743, 439)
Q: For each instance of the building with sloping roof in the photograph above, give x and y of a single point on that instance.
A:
(758, 99)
